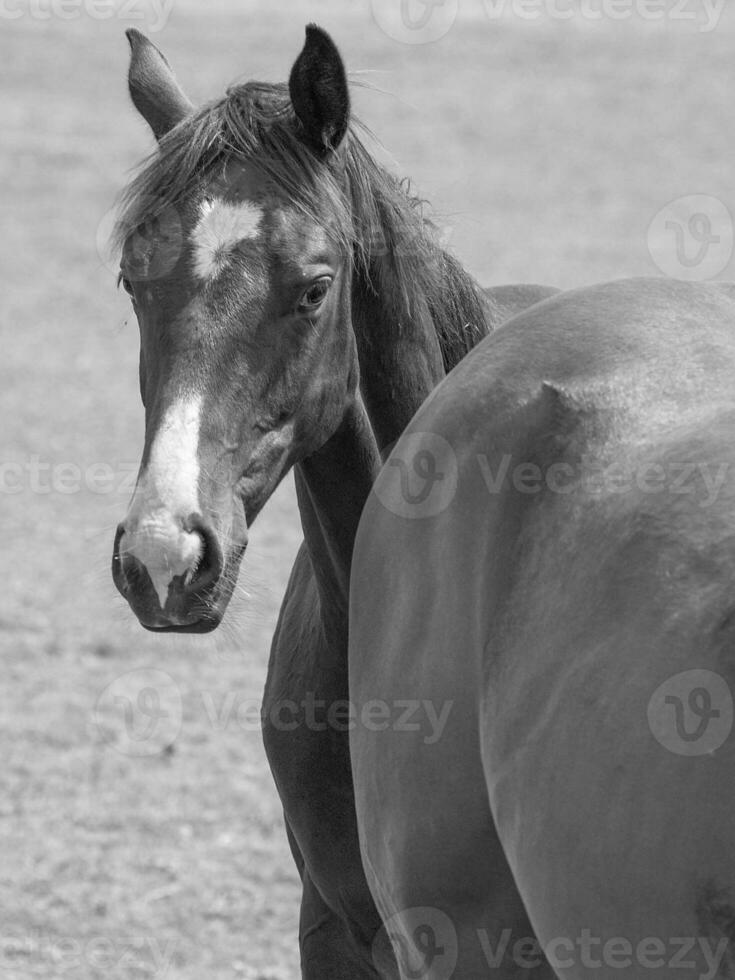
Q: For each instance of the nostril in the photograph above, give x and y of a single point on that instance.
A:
(117, 565)
(128, 573)
(210, 564)
(116, 544)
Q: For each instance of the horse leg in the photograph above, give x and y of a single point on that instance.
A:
(330, 949)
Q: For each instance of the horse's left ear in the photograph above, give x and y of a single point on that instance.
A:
(318, 89)
(153, 87)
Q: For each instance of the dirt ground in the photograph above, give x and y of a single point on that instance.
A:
(547, 147)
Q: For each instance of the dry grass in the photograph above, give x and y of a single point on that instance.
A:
(550, 147)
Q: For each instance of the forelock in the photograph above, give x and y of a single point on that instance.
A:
(254, 124)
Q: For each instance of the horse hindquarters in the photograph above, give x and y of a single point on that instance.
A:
(609, 756)
(443, 886)
(433, 859)
(567, 608)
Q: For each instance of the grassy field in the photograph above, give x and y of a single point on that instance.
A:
(547, 148)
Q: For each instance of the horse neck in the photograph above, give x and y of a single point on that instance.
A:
(399, 293)
(399, 353)
(406, 294)
(332, 486)
(400, 363)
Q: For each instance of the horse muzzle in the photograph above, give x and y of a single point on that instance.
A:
(169, 569)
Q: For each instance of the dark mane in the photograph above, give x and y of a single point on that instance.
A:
(377, 219)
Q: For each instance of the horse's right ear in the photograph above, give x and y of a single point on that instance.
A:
(318, 89)
(153, 88)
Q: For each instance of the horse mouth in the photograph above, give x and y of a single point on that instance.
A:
(186, 608)
(194, 614)
(200, 614)
(204, 625)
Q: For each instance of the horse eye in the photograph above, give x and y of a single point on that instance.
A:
(315, 294)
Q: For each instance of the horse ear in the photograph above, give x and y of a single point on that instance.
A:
(318, 89)
(153, 88)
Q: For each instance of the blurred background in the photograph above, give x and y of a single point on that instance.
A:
(559, 142)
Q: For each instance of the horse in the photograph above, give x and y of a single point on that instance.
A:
(564, 585)
(295, 309)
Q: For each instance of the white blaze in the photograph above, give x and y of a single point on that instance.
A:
(220, 227)
(168, 492)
